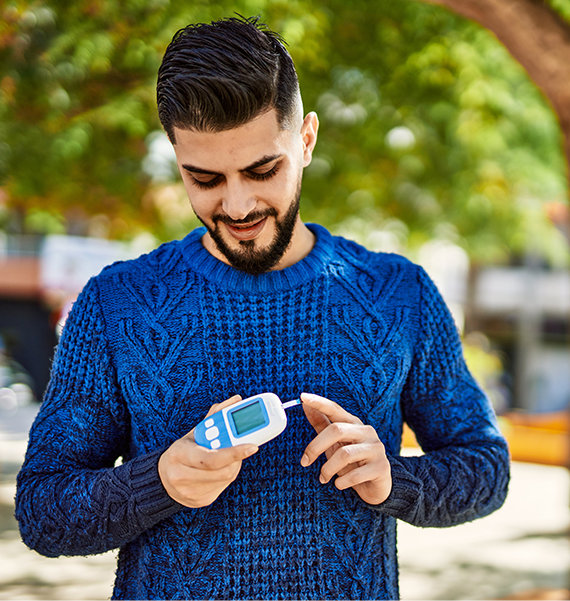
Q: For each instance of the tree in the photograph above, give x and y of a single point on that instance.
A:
(483, 154)
(537, 34)
(428, 127)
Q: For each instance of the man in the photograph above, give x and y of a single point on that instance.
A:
(255, 301)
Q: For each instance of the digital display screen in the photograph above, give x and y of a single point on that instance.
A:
(248, 418)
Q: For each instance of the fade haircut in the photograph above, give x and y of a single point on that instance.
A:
(218, 76)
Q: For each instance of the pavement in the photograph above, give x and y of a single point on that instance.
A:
(519, 552)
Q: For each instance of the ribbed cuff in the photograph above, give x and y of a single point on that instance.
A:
(406, 492)
(151, 499)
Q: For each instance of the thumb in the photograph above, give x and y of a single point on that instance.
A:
(216, 407)
(219, 406)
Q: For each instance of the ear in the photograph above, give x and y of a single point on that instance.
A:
(309, 131)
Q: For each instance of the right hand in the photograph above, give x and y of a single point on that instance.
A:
(195, 476)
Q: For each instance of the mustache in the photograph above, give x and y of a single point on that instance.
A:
(252, 217)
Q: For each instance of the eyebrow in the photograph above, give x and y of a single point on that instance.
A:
(263, 161)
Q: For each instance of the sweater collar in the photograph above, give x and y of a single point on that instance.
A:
(225, 276)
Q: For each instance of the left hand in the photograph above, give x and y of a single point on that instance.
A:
(353, 450)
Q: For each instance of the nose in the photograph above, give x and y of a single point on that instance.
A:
(238, 201)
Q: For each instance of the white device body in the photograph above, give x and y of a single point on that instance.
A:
(254, 420)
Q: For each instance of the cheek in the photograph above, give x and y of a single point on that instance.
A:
(200, 200)
(284, 186)
(200, 203)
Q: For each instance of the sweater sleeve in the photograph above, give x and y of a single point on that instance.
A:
(71, 498)
(464, 472)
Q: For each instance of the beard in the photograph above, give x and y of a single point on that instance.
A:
(248, 257)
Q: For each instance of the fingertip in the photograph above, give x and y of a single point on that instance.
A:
(250, 450)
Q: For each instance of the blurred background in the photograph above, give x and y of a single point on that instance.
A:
(445, 136)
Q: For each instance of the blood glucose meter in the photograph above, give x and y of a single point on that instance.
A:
(254, 420)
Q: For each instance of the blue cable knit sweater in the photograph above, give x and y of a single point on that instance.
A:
(152, 343)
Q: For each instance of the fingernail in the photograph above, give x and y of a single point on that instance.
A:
(251, 451)
(304, 460)
(322, 479)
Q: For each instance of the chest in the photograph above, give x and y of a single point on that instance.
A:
(173, 365)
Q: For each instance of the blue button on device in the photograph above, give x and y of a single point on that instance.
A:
(254, 420)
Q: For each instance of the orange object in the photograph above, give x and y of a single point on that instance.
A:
(532, 438)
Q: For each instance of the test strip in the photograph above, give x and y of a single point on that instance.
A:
(291, 403)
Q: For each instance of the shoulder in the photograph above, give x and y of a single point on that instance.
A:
(379, 281)
(150, 278)
(152, 262)
(357, 253)
(358, 261)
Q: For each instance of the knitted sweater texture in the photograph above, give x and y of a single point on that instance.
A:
(152, 343)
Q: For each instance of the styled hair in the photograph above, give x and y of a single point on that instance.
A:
(217, 76)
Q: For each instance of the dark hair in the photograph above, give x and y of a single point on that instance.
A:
(221, 75)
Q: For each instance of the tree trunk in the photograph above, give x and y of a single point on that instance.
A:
(537, 37)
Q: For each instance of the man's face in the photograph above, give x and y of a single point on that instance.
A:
(244, 185)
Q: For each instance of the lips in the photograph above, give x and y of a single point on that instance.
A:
(246, 231)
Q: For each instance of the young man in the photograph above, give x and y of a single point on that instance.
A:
(255, 301)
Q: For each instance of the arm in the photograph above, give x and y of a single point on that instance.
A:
(465, 471)
(70, 499)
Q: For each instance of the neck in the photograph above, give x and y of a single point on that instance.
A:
(300, 246)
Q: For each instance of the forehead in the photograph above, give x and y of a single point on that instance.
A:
(233, 148)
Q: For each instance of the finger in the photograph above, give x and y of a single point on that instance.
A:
(371, 473)
(337, 433)
(344, 459)
(202, 458)
(225, 474)
(332, 410)
(219, 406)
(318, 420)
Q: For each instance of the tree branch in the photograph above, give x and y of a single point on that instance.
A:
(536, 36)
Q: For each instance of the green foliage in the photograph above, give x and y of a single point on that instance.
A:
(428, 127)
(435, 126)
(562, 7)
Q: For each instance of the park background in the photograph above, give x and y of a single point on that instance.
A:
(445, 136)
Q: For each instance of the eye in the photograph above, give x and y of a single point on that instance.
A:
(205, 181)
(263, 175)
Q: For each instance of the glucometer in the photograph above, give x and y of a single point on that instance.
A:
(254, 420)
